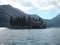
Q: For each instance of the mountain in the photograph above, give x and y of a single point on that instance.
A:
(34, 16)
(7, 10)
(12, 11)
(48, 22)
(55, 22)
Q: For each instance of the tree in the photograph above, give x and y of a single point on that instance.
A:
(33, 18)
(16, 21)
(23, 21)
(11, 20)
(39, 19)
(29, 20)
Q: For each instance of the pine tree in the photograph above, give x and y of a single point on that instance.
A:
(33, 18)
(21, 20)
(29, 20)
(24, 20)
(39, 19)
(11, 20)
(18, 20)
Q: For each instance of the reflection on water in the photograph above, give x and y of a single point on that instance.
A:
(29, 36)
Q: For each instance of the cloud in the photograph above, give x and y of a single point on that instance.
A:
(3, 2)
(58, 11)
(46, 5)
(15, 4)
(40, 4)
(19, 6)
(30, 4)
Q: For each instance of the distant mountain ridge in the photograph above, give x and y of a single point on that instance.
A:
(34, 16)
(55, 22)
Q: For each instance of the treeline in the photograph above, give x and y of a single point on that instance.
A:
(23, 21)
(20, 21)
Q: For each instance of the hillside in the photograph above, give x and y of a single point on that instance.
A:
(7, 10)
(55, 22)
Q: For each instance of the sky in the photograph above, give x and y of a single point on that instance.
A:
(47, 9)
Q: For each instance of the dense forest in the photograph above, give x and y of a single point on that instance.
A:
(23, 21)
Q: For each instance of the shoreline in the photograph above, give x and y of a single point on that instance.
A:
(25, 27)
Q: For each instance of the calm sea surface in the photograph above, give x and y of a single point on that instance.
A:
(50, 36)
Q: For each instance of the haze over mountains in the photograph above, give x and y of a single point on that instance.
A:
(6, 11)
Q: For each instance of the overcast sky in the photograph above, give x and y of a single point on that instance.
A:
(46, 9)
